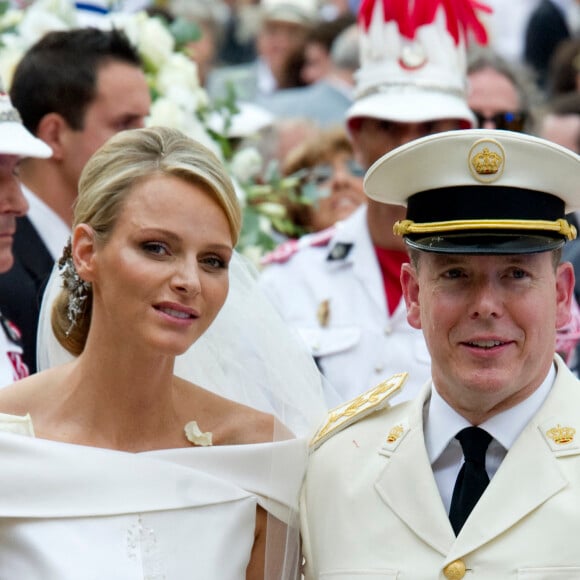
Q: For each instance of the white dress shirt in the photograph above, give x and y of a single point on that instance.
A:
(442, 423)
(51, 228)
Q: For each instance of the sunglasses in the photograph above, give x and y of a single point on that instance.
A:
(506, 120)
(323, 172)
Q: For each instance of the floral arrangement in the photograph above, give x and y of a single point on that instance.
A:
(268, 197)
(171, 74)
(178, 101)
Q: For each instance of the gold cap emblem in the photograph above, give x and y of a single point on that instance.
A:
(395, 433)
(486, 160)
(561, 435)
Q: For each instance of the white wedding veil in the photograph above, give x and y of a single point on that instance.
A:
(248, 354)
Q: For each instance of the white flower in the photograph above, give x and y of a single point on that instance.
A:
(272, 209)
(9, 58)
(168, 113)
(10, 18)
(265, 225)
(179, 81)
(155, 43)
(129, 23)
(195, 129)
(178, 70)
(246, 164)
(45, 16)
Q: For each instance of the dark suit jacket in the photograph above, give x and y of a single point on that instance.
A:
(546, 28)
(21, 288)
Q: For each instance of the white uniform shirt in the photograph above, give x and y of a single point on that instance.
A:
(442, 423)
(51, 228)
(333, 295)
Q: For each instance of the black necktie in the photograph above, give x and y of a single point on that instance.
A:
(472, 479)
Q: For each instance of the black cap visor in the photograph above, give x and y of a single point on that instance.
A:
(488, 243)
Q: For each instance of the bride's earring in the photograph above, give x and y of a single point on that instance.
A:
(78, 289)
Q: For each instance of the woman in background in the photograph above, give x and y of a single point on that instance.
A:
(331, 178)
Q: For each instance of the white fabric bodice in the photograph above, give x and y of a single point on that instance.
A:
(72, 512)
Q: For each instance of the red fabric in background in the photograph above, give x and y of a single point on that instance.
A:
(391, 262)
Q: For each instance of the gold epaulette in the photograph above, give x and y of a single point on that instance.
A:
(348, 413)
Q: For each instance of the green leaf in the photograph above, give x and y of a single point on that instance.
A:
(184, 31)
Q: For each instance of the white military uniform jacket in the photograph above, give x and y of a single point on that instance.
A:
(333, 295)
(372, 509)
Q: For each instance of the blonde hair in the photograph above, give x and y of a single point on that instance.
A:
(127, 159)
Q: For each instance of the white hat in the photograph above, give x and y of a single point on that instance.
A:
(15, 139)
(92, 13)
(413, 61)
(295, 11)
(480, 191)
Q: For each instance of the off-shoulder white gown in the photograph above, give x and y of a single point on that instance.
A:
(71, 512)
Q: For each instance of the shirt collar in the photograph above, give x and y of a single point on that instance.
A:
(266, 82)
(52, 229)
(442, 422)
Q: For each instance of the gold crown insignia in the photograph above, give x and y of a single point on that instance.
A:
(486, 162)
(561, 435)
(395, 433)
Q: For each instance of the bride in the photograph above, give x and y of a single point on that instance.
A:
(120, 468)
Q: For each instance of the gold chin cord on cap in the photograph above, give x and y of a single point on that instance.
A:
(560, 226)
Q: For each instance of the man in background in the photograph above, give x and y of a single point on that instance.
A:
(282, 30)
(500, 94)
(74, 89)
(340, 290)
(16, 143)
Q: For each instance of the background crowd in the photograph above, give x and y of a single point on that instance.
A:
(268, 86)
(271, 88)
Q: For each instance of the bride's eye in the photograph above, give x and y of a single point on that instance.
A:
(155, 248)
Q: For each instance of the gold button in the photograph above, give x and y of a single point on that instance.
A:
(455, 570)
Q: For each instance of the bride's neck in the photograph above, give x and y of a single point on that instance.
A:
(120, 403)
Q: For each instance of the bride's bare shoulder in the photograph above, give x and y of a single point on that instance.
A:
(232, 423)
(32, 392)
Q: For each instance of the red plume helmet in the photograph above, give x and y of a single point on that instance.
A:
(413, 58)
(461, 16)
